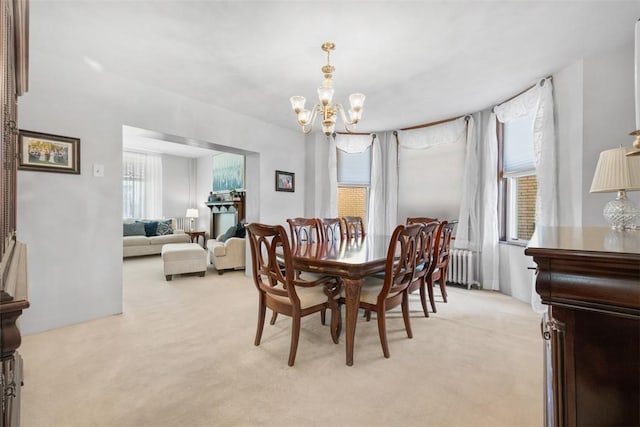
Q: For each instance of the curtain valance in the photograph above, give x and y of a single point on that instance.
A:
(431, 136)
(353, 143)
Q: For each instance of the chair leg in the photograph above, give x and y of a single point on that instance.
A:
(443, 286)
(367, 315)
(336, 321)
(423, 297)
(382, 331)
(295, 335)
(323, 316)
(262, 311)
(274, 316)
(430, 290)
(405, 314)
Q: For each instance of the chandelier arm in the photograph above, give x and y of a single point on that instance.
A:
(346, 121)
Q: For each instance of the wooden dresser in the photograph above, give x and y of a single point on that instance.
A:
(590, 279)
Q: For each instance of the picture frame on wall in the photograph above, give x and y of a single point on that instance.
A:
(44, 152)
(285, 181)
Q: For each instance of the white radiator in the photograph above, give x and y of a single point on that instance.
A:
(182, 223)
(462, 268)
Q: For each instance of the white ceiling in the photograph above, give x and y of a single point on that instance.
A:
(416, 62)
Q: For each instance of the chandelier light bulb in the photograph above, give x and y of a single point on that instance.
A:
(297, 103)
(356, 100)
(325, 93)
(304, 116)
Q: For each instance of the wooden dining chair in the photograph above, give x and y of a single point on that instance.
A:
(420, 220)
(280, 291)
(333, 230)
(424, 264)
(354, 226)
(381, 294)
(305, 230)
(441, 260)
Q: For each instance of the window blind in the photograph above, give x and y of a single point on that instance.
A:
(354, 168)
(518, 144)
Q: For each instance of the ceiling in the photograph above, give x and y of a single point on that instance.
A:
(416, 62)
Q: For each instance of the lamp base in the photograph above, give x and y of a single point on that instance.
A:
(621, 213)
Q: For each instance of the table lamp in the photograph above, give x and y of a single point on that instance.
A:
(192, 214)
(618, 173)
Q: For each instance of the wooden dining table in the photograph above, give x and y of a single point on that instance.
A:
(351, 260)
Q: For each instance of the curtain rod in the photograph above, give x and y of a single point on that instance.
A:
(439, 122)
(541, 83)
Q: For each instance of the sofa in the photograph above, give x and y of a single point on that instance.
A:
(146, 237)
(228, 250)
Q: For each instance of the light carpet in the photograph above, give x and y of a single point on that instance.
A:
(182, 354)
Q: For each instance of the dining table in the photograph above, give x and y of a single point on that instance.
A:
(349, 259)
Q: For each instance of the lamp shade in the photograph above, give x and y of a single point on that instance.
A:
(615, 171)
(192, 213)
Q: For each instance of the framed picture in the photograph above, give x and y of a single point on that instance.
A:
(228, 172)
(48, 153)
(285, 181)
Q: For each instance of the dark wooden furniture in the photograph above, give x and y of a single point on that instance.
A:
(420, 220)
(215, 207)
(195, 237)
(351, 260)
(333, 229)
(381, 295)
(441, 252)
(425, 263)
(590, 278)
(305, 230)
(14, 59)
(354, 226)
(279, 290)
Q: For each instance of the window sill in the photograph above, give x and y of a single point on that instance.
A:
(521, 243)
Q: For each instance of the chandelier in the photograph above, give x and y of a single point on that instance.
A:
(325, 108)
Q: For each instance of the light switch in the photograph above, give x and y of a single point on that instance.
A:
(98, 170)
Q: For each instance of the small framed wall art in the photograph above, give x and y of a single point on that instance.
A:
(44, 152)
(285, 181)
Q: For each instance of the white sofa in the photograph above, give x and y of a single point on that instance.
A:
(148, 245)
(226, 255)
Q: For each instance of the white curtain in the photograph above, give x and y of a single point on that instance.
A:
(333, 179)
(490, 255)
(142, 185)
(383, 191)
(467, 236)
(539, 100)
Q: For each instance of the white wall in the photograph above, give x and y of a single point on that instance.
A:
(204, 184)
(178, 185)
(609, 116)
(72, 223)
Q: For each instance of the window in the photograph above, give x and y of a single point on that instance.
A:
(354, 178)
(141, 185)
(518, 180)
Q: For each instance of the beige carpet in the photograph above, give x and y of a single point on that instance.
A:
(182, 354)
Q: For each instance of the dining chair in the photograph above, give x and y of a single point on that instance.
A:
(305, 230)
(333, 230)
(280, 291)
(424, 264)
(354, 226)
(381, 294)
(420, 219)
(441, 260)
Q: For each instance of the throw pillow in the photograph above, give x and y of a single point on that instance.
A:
(228, 234)
(164, 228)
(150, 228)
(133, 229)
(240, 231)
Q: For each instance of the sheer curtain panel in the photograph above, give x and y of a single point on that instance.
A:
(141, 185)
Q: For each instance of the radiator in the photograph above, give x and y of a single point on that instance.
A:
(182, 223)
(463, 268)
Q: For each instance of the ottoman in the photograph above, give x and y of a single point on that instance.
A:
(181, 258)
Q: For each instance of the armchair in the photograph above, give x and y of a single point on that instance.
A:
(227, 254)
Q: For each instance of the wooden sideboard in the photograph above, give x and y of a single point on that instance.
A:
(590, 279)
